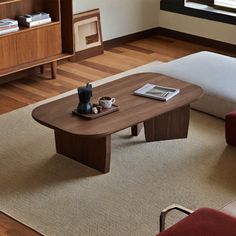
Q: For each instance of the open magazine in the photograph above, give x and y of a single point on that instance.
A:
(157, 92)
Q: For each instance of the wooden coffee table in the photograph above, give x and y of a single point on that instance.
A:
(89, 141)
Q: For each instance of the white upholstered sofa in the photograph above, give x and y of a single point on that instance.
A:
(215, 73)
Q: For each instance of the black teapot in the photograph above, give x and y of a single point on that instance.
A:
(85, 93)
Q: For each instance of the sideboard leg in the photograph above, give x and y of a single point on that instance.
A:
(92, 152)
(54, 69)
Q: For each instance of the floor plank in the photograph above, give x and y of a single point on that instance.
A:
(11, 227)
(106, 68)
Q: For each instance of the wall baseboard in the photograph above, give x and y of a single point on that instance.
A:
(197, 39)
(170, 33)
(130, 38)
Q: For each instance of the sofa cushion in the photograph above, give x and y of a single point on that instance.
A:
(215, 73)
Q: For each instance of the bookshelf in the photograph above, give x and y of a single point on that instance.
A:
(36, 46)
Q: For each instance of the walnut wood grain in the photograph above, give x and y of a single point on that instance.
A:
(54, 69)
(29, 46)
(170, 125)
(67, 26)
(11, 227)
(89, 141)
(95, 153)
(133, 109)
(41, 67)
(136, 129)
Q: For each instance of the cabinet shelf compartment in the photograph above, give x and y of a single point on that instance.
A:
(43, 44)
(17, 8)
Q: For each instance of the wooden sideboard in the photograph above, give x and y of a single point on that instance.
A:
(36, 46)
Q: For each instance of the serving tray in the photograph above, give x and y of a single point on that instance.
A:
(94, 116)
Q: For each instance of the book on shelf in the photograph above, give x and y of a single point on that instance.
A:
(157, 92)
(36, 23)
(33, 17)
(8, 23)
(7, 27)
(9, 30)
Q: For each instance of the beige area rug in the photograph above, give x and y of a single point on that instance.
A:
(60, 197)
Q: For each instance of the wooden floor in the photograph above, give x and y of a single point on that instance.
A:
(23, 92)
(29, 90)
(11, 227)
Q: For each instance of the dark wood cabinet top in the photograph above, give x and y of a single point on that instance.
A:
(133, 109)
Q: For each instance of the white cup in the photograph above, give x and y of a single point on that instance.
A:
(106, 102)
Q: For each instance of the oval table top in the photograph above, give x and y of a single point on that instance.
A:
(133, 109)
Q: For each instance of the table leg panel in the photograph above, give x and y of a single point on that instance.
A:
(170, 125)
(93, 152)
(136, 129)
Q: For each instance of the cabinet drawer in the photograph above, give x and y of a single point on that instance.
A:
(30, 45)
(8, 52)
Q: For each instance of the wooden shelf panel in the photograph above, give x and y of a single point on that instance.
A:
(25, 29)
(3, 2)
(33, 64)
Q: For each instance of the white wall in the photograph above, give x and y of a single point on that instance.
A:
(197, 26)
(122, 17)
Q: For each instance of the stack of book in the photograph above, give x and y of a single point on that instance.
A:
(8, 26)
(35, 19)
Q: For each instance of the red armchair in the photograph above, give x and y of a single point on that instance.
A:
(202, 222)
(230, 128)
